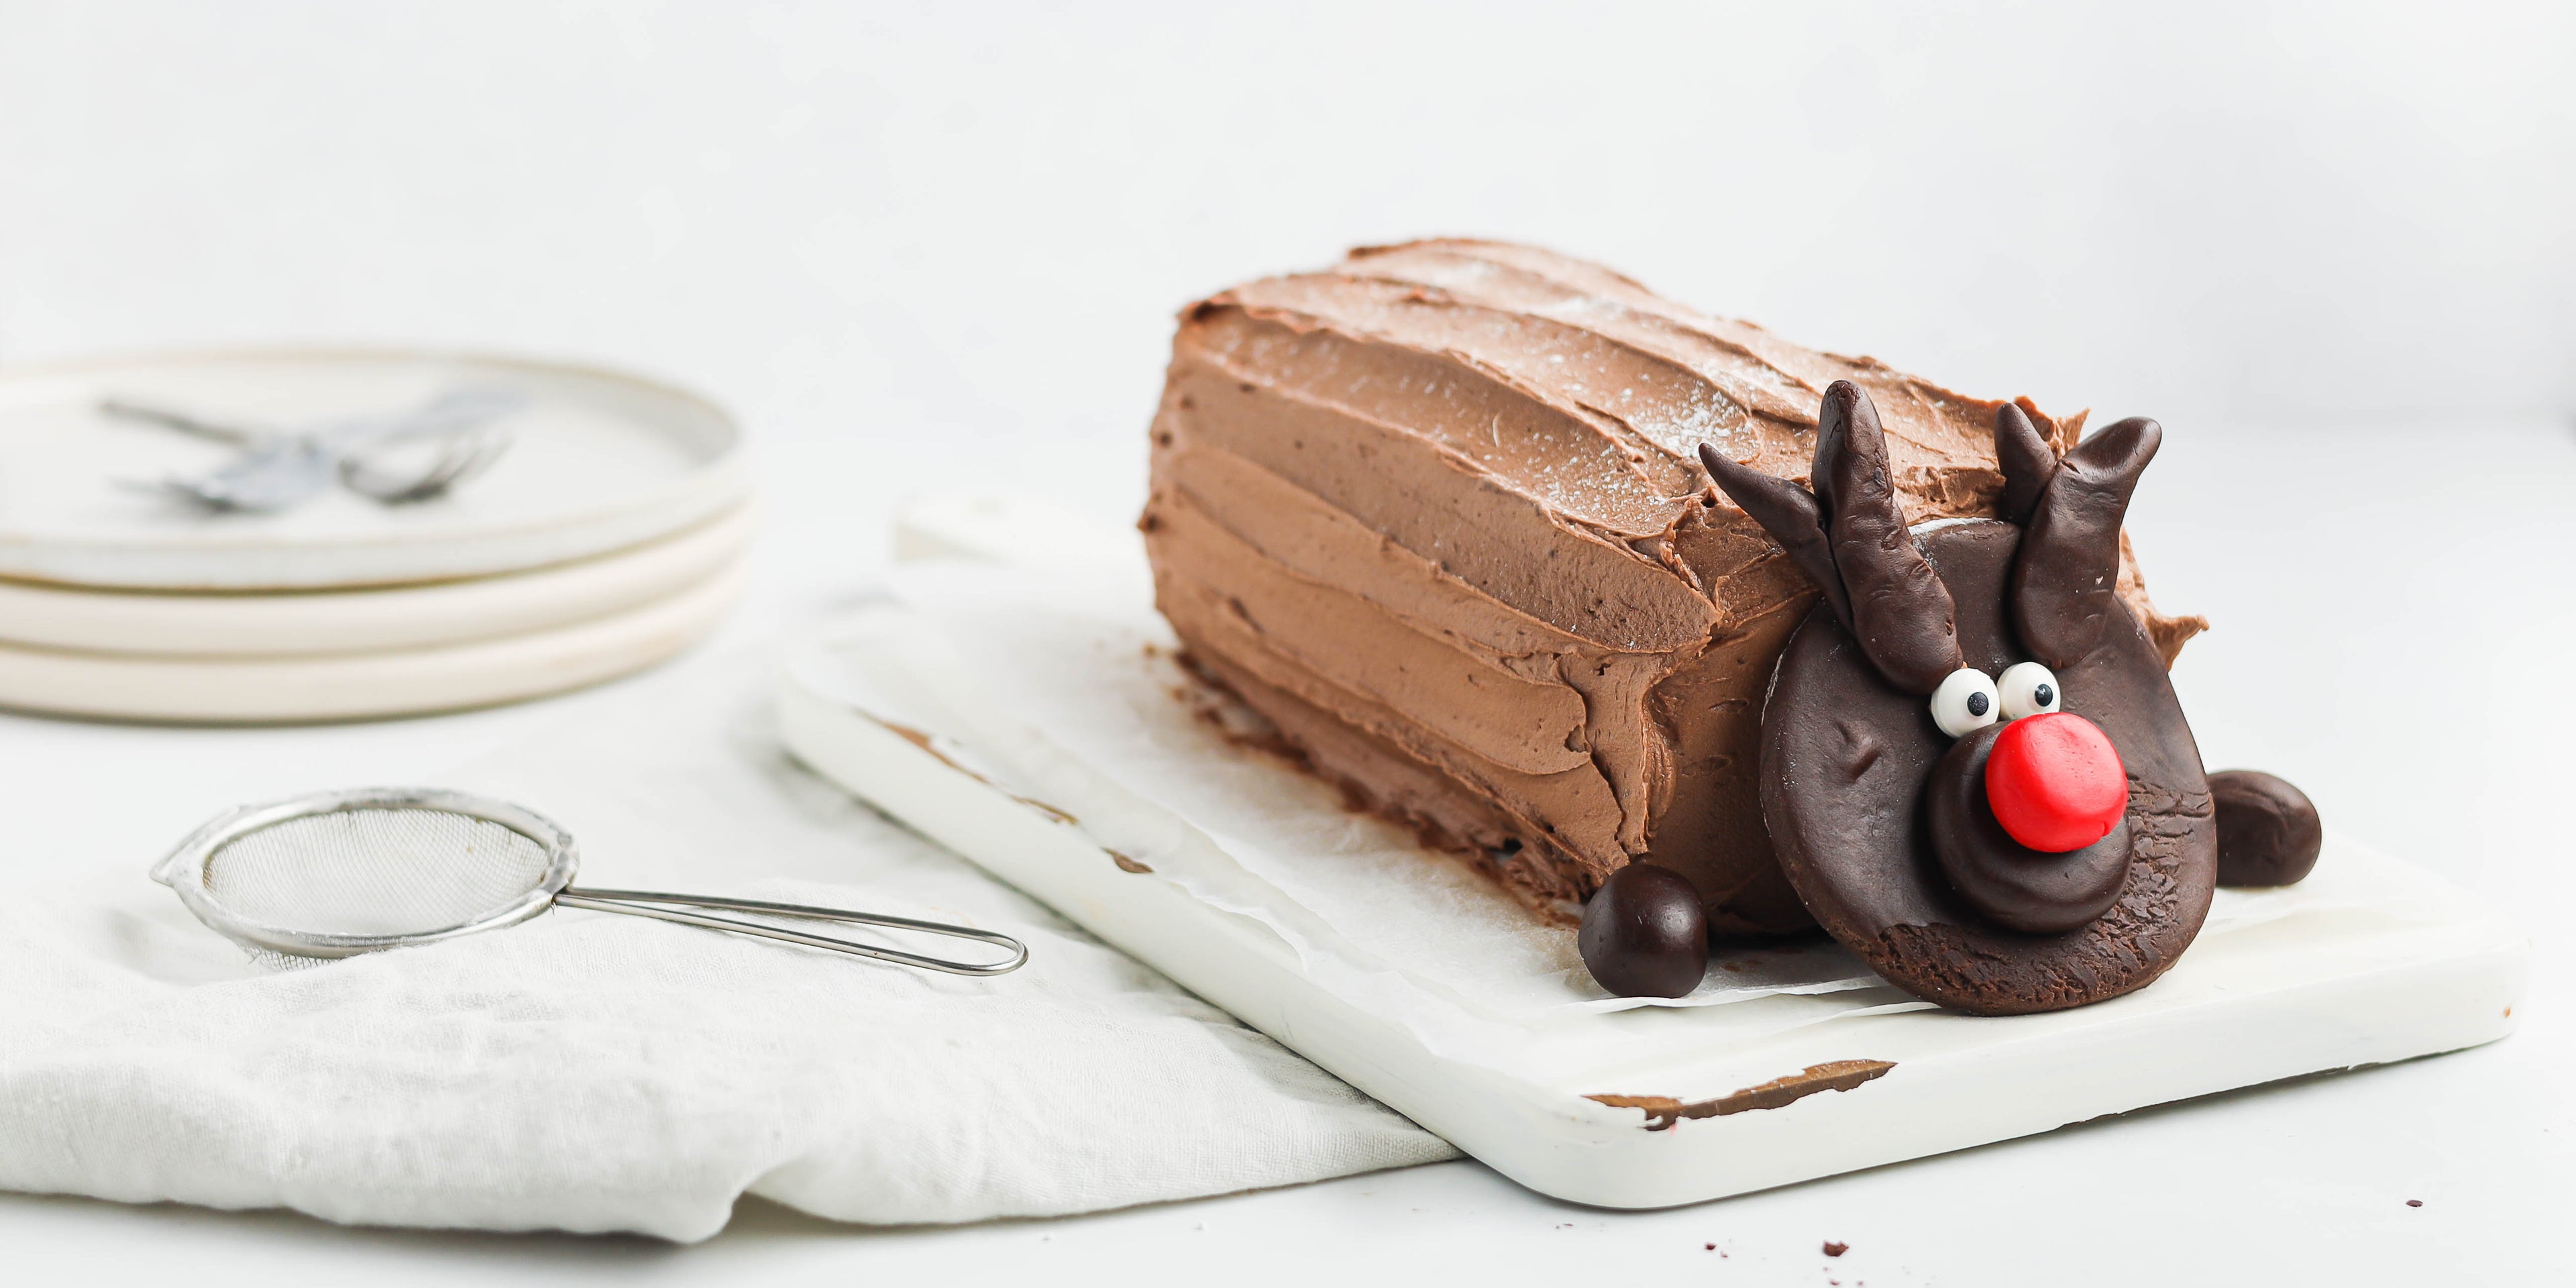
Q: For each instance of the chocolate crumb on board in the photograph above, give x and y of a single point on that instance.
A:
(1833, 1249)
(2414, 1202)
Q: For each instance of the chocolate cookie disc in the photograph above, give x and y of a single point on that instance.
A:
(1644, 934)
(2268, 831)
(1847, 759)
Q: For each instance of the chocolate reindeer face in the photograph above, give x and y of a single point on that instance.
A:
(1974, 770)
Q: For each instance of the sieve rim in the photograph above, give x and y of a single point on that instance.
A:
(184, 868)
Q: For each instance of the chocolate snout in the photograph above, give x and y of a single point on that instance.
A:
(2055, 782)
(2013, 885)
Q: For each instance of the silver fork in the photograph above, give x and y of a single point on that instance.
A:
(464, 455)
(279, 471)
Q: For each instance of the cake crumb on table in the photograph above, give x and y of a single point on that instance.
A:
(1833, 1249)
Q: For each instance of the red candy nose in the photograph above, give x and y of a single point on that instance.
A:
(2055, 782)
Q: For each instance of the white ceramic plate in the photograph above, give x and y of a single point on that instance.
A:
(356, 686)
(404, 617)
(600, 461)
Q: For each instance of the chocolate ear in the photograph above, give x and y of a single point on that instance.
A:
(2070, 545)
(2027, 462)
(1790, 514)
(1900, 611)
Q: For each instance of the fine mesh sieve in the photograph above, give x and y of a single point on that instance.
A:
(340, 873)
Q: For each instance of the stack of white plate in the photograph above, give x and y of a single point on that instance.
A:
(609, 536)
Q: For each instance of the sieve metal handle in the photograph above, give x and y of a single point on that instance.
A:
(643, 903)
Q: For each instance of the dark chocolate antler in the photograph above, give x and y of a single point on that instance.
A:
(2027, 460)
(1792, 515)
(1850, 537)
(1901, 612)
(2070, 546)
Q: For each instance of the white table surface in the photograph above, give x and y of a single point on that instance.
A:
(2421, 699)
(926, 250)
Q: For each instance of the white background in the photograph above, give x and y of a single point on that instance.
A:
(2329, 247)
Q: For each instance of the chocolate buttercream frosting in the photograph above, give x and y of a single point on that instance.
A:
(1437, 511)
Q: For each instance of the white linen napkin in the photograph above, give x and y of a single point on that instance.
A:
(593, 1072)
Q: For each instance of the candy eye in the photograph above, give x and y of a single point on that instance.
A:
(1965, 702)
(2028, 689)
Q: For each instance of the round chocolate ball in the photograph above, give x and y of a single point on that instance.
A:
(1644, 934)
(2268, 833)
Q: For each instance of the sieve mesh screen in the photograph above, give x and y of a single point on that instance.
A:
(368, 871)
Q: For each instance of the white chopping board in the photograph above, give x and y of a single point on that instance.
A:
(1032, 719)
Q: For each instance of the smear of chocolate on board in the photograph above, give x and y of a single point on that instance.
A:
(1837, 1075)
(922, 739)
(1049, 810)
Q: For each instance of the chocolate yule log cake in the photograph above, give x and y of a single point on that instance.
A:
(1441, 513)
